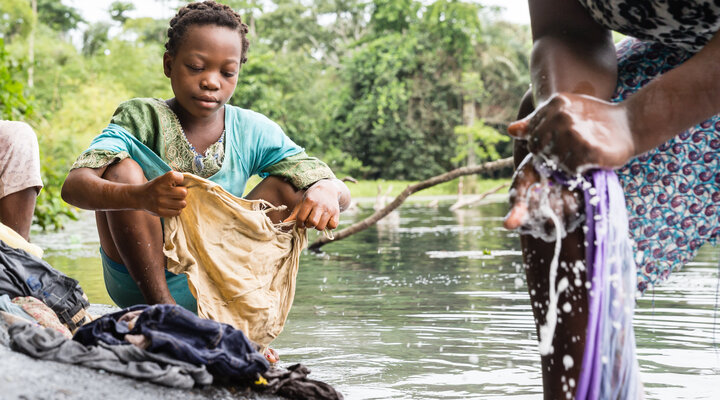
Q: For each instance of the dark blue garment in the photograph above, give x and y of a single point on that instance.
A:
(177, 332)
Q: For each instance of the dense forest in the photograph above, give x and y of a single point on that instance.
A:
(379, 89)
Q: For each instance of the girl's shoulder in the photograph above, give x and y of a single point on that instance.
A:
(246, 120)
(141, 116)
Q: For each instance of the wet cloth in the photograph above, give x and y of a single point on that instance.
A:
(293, 383)
(671, 192)
(609, 367)
(127, 360)
(178, 333)
(19, 158)
(22, 274)
(42, 314)
(240, 266)
(149, 132)
(125, 292)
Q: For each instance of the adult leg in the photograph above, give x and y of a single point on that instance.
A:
(278, 192)
(561, 367)
(20, 179)
(134, 238)
(16, 210)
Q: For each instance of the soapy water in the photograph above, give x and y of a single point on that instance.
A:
(547, 197)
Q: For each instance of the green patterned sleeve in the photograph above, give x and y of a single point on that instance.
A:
(301, 170)
(98, 159)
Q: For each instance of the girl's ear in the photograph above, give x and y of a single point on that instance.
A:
(167, 63)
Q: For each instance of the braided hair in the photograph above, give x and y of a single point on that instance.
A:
(205, 13)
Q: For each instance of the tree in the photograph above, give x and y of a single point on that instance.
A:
(118, 9)
(58, 16)
(13, 104)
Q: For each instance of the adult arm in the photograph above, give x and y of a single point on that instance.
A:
(581, 132)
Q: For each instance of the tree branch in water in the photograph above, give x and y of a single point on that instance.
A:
(416, 187)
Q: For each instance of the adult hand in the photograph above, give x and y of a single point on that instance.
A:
(319, 207)
(533, 197)
(164, 196)
(578, 132)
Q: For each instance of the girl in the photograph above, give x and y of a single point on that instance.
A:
(197, 132)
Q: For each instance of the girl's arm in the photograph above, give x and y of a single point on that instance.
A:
(86, 188)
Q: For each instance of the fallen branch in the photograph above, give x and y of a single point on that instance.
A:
(472, 200)
(448, 176)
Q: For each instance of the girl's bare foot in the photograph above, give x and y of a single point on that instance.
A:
(271, 355)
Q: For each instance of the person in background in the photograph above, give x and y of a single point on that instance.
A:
(20, 180)
(647, 108)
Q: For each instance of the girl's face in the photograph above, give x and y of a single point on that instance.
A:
(204, 70)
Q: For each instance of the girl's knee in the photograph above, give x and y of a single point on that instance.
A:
(125, 171)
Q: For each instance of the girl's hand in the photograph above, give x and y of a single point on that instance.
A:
(533, 197)
(578, 132)
(164, 196)
(319, 208)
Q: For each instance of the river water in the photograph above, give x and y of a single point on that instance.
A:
(432, 304)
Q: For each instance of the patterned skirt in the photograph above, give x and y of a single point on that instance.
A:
(671, 192)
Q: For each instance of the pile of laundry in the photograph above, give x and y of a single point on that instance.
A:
(43, 314)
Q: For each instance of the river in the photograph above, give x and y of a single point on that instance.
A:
(432, 304)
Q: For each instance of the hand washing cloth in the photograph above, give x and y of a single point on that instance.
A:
(124, 359)
(176, 332)
(241, 267)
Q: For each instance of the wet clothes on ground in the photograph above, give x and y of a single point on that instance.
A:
(126, 360)
(178, 333)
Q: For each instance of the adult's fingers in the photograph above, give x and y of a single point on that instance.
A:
(519, 129)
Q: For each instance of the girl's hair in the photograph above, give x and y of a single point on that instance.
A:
(205, 13)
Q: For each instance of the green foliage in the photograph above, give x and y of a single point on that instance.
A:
(58, 16)
(13, 104)
(16, 19)
(479, 138)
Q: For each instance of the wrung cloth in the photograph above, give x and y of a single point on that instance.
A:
(241, 267)
(125, 359)
(609, 367)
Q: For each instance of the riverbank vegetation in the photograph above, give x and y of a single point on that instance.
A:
(383, 90)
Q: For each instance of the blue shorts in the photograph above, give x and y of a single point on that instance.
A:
(125, 293)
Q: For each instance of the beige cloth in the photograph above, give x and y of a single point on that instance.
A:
(19, 158)
(241, 267)
(13, 239)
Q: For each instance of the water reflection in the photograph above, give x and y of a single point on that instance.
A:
(433, 305)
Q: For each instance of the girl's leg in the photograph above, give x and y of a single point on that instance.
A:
(134, 238)
(560, 368)
(278, 192)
